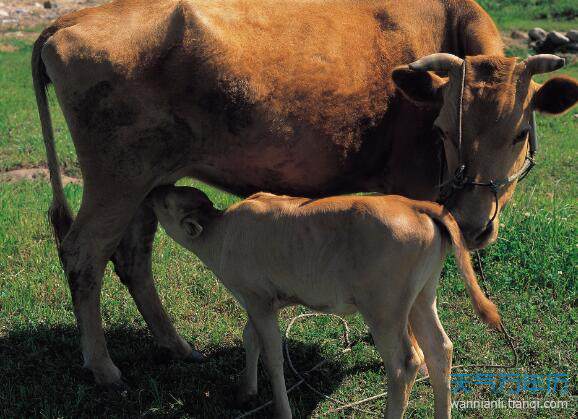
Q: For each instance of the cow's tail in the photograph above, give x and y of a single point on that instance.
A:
(59, 213)
(485, 308)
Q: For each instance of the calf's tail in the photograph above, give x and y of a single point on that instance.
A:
(486, 309)
(59, 213)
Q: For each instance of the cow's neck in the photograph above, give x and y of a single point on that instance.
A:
(400, 157)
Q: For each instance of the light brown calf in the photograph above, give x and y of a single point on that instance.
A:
(380, 255)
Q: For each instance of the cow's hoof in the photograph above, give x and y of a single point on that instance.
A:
(195, 357)
(163, 355)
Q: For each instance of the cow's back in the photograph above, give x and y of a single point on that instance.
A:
(248, 94)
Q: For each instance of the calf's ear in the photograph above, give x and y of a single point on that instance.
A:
(421, 87)
(191, 227)
(556, 96)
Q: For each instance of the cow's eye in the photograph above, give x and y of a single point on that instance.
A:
(522, 136)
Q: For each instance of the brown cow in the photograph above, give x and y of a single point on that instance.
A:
(291, 97)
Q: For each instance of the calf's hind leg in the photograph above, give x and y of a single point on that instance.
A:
(133, 265)
(387, 318)
(437, 347)
(401, 363)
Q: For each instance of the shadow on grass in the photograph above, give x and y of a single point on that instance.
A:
(41, 374)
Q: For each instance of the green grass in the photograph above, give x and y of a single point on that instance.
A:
(21, 142)
(526, 14)
(532, 272)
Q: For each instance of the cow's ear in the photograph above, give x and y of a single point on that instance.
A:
(556, 96)
(421, 87)
(191, 227)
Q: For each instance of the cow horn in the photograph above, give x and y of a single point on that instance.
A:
(437, 62)
(543, 63)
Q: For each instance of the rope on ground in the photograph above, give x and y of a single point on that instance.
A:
(341, 405)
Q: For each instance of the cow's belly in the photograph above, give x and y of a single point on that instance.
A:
(306, 169)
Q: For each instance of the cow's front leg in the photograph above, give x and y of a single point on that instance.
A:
(133, 265)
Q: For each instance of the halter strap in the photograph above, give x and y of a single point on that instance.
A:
(461, 112)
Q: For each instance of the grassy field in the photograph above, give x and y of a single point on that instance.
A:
(532, 272)
(526, 14)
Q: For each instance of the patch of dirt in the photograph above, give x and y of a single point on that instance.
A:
(514, 41)
(23, 35)
(7, 48)
(518, 43)
(34, 173)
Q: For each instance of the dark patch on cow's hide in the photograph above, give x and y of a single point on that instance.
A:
(107, 120)
(386, 23)
(228, 102)
(95, 112)
(100, 115)
(166, 146)
(123, 162)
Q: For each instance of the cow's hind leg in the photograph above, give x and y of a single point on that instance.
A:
(133, 265)
(84, 252)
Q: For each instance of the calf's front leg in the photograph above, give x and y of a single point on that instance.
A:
(265, 323)
(248, 382)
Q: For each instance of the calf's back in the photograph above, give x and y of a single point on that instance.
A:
(325, 253)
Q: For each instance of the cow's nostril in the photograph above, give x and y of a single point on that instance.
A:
(485, 234)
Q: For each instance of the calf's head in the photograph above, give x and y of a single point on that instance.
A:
(183, 212)
(497, 105)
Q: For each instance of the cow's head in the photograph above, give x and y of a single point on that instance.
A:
(498, 101)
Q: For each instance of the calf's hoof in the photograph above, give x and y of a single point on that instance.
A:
(284, 414)
(121, 387)
(245, 400)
